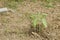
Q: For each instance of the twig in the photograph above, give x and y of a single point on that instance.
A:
(35, 34)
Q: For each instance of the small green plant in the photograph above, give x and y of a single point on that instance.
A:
(38, 17)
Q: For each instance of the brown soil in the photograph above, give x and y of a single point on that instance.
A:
(15, 26)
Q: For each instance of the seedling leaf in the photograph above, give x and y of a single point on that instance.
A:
(44, 22)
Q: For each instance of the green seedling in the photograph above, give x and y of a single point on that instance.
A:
(35, 18)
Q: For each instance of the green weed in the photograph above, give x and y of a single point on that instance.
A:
(35, 18)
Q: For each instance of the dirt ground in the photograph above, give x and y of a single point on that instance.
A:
(15, 26)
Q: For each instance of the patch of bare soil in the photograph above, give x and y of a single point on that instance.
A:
(15, 26)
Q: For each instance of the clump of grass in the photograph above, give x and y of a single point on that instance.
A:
(33, 0)
(12, 3)
(15, 0)
(48, 3)
(36, 18)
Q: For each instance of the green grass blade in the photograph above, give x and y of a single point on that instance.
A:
(44, 22)
(34, 23)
